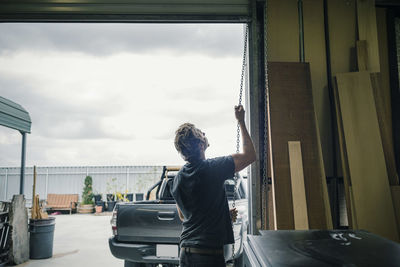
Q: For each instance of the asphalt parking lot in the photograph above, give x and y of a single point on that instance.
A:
(80, 240)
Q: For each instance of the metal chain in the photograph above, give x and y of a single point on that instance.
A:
(265, 220)
(244, 65)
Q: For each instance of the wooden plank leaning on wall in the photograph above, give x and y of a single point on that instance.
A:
(385, 126)
(372, 55)
(383, 98)
(396, 203)
(298, 190)
(373, 207)
(367, 30)
(345, 165)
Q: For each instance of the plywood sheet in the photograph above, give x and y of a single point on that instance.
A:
(385, 126)
(362, 55)
(344, 161)
(370, 187)
(354, 213)
(271, 211)
(385, 111)
(271, 193)
(327, 205)
(396, 203)
(292, 117)
(298, 189)
(366, 18)
(382, 102)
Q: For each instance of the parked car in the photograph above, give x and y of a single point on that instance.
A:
(147, 233)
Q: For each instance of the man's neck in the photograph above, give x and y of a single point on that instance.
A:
(202, 155)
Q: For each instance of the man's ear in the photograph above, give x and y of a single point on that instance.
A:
(204, 145)
(207, 143)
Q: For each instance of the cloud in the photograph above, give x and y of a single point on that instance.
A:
(104, 97)
(56, 116)
(216, 40)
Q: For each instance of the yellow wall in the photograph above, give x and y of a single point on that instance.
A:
(283, 34)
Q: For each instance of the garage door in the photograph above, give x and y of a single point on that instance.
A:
(126, 10)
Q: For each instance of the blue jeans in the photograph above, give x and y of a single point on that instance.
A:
(200, 260)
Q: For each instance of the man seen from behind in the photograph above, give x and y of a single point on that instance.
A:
(199, 192)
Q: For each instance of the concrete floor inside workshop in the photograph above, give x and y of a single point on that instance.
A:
(80, 240)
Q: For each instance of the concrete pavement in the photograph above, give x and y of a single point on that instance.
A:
(80, 240)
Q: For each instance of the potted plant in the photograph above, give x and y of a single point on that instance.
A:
(100, 205)
(129, 197)
(122, 197)
(97, 197)
(86, 205)
(111, 193)
(99, 209)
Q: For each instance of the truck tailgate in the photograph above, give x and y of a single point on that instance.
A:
(148, 222)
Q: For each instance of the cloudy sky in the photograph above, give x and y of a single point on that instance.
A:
(113, 94)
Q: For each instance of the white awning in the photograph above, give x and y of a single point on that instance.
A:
(14, 116)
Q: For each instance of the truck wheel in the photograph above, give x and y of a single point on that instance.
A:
(134, 264)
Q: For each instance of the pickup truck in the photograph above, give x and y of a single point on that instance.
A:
(146, 233)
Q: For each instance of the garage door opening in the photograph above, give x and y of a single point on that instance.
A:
(113, 94)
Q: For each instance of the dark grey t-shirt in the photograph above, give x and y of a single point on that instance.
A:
(199, 192)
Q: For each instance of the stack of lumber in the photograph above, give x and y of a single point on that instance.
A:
(364, 130)
(299, 185)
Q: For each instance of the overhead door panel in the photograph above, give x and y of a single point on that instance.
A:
(125, 10)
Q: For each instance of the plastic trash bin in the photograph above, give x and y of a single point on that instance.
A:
(41, 238)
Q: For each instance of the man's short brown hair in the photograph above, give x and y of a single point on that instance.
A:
(188, 139)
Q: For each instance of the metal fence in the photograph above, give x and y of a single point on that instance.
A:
(69, 180)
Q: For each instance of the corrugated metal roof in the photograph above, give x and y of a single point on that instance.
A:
(14, 116)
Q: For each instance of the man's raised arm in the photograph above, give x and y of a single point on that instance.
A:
(248, 156)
